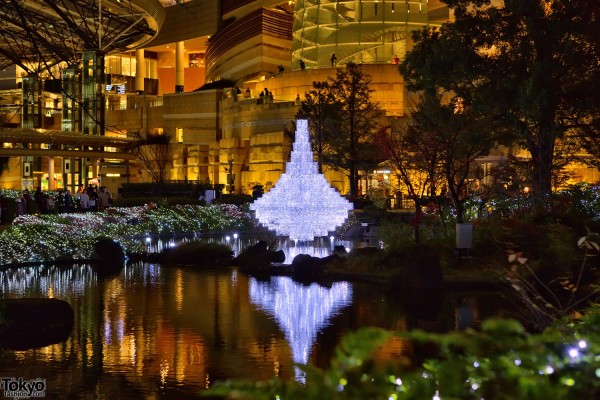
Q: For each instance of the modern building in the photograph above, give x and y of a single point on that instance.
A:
(144, 78)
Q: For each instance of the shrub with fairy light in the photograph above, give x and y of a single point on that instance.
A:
(500, 362)
(72, 236)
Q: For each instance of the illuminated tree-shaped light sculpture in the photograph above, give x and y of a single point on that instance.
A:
(302, 205)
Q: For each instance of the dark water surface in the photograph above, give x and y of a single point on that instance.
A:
(157, 332)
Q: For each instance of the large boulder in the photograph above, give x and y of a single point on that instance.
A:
(307, 268)
(259, 259)
(30, 323)
(109, 257)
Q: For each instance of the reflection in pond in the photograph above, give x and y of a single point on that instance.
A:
(300, 310)
(166, 333)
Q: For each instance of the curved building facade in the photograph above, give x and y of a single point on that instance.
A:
(361, 31)
(249, 46)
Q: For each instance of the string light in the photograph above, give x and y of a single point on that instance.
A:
(72, 236)
(301, 311)
(302, 204)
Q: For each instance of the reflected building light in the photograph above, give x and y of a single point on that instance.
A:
(164, 371)
(132, 349)
(120, 331)
(107, 328)
(301, 311)
(179, 291)
(302, 205)
(179, 358)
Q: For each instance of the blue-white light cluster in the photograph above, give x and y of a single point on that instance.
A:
(300, 310)
(302, 205)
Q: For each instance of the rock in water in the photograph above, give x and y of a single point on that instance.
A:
(30, 323)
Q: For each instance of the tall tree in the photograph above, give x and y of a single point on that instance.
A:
(319, 108)
(416, 162)
(343, 121)
(443, 139)
(357, 121)
(533, 65)
(153, 151)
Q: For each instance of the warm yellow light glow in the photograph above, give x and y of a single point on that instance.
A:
(179, 291)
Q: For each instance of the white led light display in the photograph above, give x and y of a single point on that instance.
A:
(302, 205)
(301, 311)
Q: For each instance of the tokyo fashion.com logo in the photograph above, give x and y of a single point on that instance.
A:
(20, 388)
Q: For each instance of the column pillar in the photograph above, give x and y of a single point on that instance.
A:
(179, 67)
(140, 71)
(97, 171)
(51, 173)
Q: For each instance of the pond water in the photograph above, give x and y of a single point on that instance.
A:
(155, 332)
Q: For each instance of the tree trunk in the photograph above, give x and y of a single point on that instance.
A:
(353, 182)
(418, 215)
(542, 153)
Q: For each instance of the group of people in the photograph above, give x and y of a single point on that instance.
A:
(94, 198)
(86, 199)
(265, 97)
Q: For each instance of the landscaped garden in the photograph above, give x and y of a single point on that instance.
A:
(548, 259)
(71, 236)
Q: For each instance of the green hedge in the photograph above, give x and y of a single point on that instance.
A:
(162, 201)
(166, 189)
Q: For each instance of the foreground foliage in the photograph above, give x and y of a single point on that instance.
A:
(502, 361)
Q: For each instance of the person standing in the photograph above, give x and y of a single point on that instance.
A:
(104, 198)
(40, 200)
(94, 199)
(333, 59)
(49, 204)
(68, 201)
(84, 201)
(27, 202)
(20, 206)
